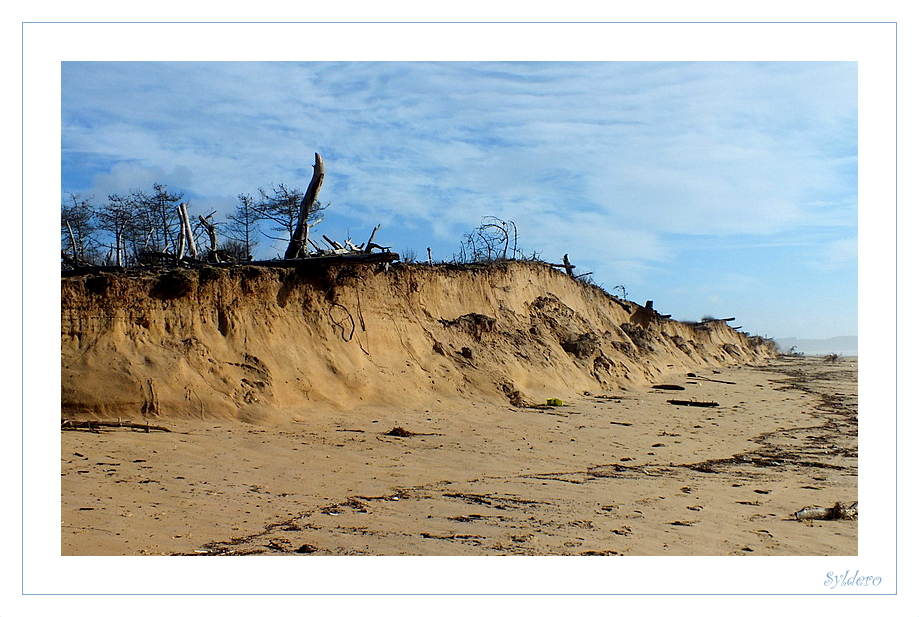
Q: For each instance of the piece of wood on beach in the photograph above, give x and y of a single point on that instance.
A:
(835, 512)
(92, 425)
(693, 403)
(668, 386)
(398, 431)
(694, 376)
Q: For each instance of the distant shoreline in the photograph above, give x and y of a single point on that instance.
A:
(842, 345)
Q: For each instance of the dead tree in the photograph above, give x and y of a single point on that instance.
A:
(185, 234)
(212, 234)
(73, 243)
(119, 218)
(569, 268)
(180, 251)
(78, 229)
(299, 241)
(490, 241)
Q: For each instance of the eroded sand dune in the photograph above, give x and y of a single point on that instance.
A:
(255, 342)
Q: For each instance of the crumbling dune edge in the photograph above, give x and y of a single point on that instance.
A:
(256, 343)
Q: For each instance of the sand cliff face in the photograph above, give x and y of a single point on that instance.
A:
(253, 343)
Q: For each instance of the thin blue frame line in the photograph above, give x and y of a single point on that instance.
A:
(462, 22)
(22, 307)
(896, 275)
(896, 317)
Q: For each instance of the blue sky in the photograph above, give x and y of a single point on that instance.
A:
(713, 188)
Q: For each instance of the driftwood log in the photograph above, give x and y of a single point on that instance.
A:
(694, 376)
(836, 512)
(92, 425)
(693, 403)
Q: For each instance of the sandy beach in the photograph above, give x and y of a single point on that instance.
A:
(624, 473)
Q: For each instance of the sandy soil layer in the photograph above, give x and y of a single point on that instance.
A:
(606, 474)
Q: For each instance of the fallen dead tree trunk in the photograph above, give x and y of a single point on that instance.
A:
(328, 259)
(693, 403)
(92, 425)
(74, 262)
(81, 270)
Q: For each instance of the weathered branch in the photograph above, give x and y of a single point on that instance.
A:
(212, 234)
(298, 242)
(73, 241)
(335, 245)
(181, 250)
(370, 244)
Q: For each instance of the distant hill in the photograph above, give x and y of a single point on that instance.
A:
(843, 345)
